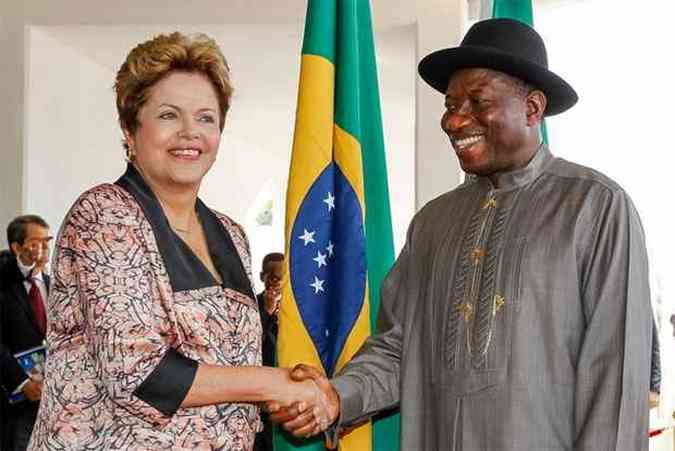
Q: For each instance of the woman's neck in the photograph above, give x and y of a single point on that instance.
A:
(178, 202)
(178, 206)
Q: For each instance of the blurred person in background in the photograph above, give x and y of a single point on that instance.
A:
(23, 321)
(269, 301)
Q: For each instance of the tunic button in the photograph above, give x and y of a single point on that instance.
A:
(476, 255)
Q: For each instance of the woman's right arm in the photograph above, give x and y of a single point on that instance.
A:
(105, 266)
(216, 384)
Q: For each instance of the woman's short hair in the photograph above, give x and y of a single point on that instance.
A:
(153, 60)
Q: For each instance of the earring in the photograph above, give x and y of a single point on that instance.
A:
(131, 155)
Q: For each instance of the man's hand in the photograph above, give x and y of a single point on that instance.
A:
(33, 389)
(305, 423)
(272, 297)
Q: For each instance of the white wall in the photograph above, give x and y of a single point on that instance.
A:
(73, 139)
(440, 24)
(11, 120)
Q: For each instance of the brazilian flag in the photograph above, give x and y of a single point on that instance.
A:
(338, 225)
(519, 10)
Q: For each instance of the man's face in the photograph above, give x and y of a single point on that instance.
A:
(272, 276)
(35, 248)
(487, 122)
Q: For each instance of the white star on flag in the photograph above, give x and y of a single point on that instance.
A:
(317, 285)
(307, 237)
(320, 259)
(329, 248)
(330, 201)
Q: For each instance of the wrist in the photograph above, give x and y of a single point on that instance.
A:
(277, 382)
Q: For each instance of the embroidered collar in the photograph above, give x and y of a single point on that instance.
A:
(523, 176)
(185, 270)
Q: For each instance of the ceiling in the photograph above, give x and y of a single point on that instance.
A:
(386, 13)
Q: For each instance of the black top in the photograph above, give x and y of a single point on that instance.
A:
(185, 270)
(270, 327)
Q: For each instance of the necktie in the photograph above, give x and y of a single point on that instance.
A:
(38, 306)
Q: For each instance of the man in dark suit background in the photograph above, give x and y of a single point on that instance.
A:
(268, 304)
(23, 293)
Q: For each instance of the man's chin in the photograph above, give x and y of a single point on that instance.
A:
(473, 169)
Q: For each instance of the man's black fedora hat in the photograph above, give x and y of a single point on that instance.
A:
(504, 45)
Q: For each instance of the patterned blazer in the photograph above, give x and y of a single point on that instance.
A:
(132, 313)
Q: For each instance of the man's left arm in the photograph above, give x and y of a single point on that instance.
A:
(611, 400)
(12, 376)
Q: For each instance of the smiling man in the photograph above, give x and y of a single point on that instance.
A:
(517, 316)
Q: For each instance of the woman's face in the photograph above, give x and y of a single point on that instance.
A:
(177, 139)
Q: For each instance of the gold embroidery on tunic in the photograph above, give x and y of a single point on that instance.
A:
(466, 309)
(499, 302)
(490, 203)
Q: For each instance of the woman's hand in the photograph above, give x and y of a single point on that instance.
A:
(316, 405)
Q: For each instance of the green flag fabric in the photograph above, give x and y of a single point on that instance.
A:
(338, 170)
(519, 10)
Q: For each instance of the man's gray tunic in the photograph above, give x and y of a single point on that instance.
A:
(515, 318)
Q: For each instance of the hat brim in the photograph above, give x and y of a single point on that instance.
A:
(437, 67)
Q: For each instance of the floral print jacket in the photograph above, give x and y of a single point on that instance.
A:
(131, 314)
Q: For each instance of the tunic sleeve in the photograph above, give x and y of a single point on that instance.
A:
(611, 399)
(370, 382)
(126, 313)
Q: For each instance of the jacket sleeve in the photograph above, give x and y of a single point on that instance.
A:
(611, 399)
(11, 373)
(108, 269)
(370, 382)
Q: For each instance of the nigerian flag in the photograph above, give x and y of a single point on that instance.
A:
(513, 9)
(519, 10)
(339, 242)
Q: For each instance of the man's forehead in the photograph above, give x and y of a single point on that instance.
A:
(36, 231)
(275, 265)
(478, 77)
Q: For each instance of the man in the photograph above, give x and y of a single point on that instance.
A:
(23, 320)
(655, 369)
(517, 316)
(268, 304)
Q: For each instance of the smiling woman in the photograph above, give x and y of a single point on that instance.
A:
(154, 332)
(177, 139)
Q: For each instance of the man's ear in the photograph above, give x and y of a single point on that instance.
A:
(535, 104)
(16, 248)
(262, 276)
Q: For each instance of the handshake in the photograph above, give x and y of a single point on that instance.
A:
(309, 406)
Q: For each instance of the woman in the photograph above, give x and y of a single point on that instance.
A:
(154, 333)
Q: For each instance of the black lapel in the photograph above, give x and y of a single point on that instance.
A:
(185, 270)
(223, 252)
